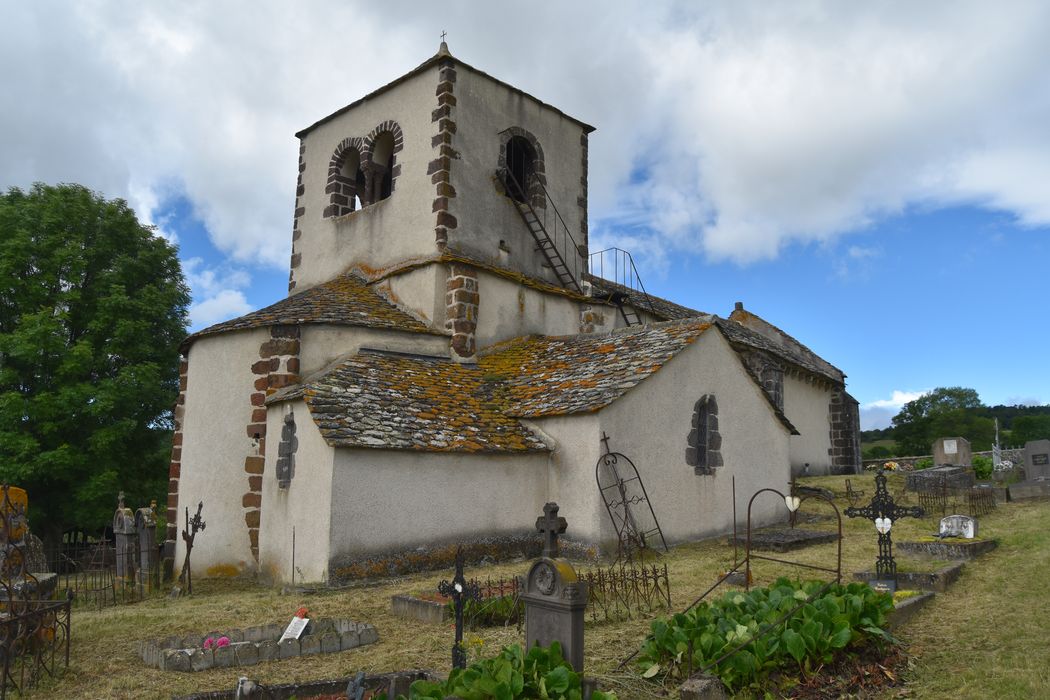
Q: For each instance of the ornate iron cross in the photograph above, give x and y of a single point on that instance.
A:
(550, 526)
(883, 511)
(459, 591)
(189, 533)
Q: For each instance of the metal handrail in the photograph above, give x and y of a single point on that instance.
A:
(630, 275)
(508, 178)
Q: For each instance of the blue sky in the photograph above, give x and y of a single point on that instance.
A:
(873, 179)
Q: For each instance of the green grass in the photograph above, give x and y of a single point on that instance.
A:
(985, 638)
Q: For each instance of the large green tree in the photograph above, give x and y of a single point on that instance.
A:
(1027, 428)
(93, 306)
(923, 420)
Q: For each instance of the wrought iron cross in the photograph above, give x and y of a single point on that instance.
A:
(460, 591)
(883, 511)
(189, 533)
(550, 525)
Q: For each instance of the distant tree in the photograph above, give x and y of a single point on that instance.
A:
(1027, 428)
(913, 427)
(93, 306)
(878, 452)
(980, 431)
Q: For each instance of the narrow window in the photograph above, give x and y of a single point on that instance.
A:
(382, 166)
(352, 179)
(520, 167)
(704, 445)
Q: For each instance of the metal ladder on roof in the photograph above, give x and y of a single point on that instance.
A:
(541, 227)
(624, 274)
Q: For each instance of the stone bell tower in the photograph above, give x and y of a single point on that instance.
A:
(444, 161)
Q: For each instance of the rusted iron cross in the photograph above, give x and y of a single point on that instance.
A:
(883, 511)
(460, 591)
(550, 525)
(189, 533)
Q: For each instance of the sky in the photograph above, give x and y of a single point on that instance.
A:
(872, 178)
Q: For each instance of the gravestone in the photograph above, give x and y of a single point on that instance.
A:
(954, 451)
(958, 526)
(1037, 459)
(146, 524)
(125, 542)
(554, 597)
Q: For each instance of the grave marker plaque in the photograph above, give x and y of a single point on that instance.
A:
(958, 526)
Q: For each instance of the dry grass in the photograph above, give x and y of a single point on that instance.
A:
(986, 638)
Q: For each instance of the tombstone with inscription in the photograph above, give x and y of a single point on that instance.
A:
(958, 526)
(954, 451)
(125, 541)
(554, 597)
(1037, 459)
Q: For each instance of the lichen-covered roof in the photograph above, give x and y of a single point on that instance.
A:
(345, 300)
(549, 376)
(410, 402)
(384, 400)
(739, 334)
(664, 309)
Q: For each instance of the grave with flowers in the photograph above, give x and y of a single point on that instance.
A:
(251, 645)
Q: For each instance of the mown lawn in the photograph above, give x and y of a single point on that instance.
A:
(986, 638)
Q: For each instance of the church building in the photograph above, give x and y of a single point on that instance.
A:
(451, 354)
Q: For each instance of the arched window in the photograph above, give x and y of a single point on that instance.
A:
(521, 166)
(704, 444)
(382, 166)
(345, 179)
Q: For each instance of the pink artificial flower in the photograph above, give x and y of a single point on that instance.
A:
(222, 642)
(209, 643)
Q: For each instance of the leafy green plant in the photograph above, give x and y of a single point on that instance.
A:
(488, 612)
(982, 467)
(842, 616)
(924, 463)
(542, 673)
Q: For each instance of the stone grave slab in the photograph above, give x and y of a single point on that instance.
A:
(929, 479)
(1033, 488)
(785, 539)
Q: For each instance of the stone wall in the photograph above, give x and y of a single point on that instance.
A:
(1013, 454)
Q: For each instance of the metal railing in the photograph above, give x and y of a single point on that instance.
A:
(617, 265)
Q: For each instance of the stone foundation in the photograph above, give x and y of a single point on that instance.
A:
(253, 645)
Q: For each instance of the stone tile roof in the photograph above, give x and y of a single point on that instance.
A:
(806, 359)
(666, 310)
(345, 300)
(550, 376)
(393, 401)
(385, 400)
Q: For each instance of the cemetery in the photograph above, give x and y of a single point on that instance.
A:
(235, 632)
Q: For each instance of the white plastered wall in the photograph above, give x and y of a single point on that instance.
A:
(387, 500)
(394, 229)
(806, 404)
(422, 290)
(484, 108)
(214, 445)
(322, 344)
(509, 309)
(302, 507)
(651, 425)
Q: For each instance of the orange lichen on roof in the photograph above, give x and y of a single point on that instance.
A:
(547, 376)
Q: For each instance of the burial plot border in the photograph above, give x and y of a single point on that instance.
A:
(796, 502)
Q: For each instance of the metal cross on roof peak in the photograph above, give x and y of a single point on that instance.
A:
(443, 33)
(550, 525)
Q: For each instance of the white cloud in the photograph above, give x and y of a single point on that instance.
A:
(731, 129)
(897, 399)
(226, 304)
(217, 293)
